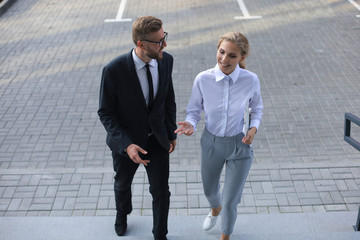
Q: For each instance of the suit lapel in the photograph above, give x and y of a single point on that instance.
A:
(162, 73)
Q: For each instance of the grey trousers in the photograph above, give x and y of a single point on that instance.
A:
(237, 157)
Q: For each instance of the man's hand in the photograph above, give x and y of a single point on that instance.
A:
(172, 146)
(133, 152)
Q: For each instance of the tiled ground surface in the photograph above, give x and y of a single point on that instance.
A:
(53, 157)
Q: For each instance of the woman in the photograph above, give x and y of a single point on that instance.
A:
(223, 93)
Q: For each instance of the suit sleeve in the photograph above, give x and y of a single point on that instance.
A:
(116, 139)
(170, 107)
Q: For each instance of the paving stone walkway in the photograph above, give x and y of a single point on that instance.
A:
(53, 157)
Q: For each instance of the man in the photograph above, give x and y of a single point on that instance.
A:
(137, 109)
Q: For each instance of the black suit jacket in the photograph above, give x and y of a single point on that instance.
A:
(123, 110)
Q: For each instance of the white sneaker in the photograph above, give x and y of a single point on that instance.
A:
(210, 222)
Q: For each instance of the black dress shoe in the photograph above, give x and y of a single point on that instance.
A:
(160, 238)
(120, 224)
(120, 229)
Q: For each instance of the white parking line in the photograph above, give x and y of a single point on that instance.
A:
(120, 14)
(245, 12)
(357, 6)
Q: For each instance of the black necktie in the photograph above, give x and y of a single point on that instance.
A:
(151, 87)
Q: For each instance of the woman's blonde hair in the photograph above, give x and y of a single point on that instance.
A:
(240, 41)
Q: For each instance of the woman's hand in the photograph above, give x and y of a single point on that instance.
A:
(185, 128)
(249, 136)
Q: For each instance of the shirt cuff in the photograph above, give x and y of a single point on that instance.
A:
(192, 123)
(254, 123)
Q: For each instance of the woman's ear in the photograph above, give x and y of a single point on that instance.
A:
(243, 57)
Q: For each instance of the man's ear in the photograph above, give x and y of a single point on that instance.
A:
(140, 44)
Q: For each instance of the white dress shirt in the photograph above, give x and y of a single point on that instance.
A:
(141, 72)
(222, 98)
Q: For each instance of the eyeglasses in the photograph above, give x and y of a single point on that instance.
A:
(161, 42)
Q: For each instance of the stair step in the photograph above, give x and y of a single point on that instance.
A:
(309, 226)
